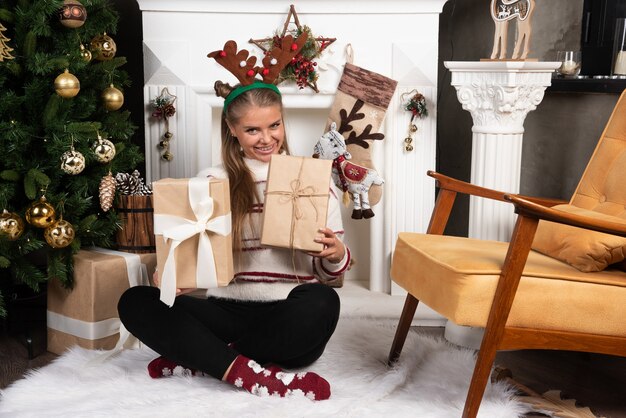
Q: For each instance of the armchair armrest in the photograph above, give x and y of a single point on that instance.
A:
(449, 187)
(531, 209)
(450, 183)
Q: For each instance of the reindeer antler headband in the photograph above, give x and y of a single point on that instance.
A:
(242, 66)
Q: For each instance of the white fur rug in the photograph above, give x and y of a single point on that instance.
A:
(429, 381)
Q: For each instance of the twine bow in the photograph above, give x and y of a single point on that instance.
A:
(178, 229)
(293, 196)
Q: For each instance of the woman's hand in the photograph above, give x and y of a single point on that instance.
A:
(157, 283)
(334, 250)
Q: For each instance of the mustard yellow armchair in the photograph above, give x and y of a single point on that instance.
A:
(570, 294)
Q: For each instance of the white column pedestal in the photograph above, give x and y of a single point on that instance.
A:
(499, 95)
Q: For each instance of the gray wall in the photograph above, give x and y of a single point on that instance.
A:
(560, 134)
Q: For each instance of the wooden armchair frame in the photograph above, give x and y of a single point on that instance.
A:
(497, 335)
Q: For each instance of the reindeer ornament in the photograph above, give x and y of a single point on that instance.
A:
(503, 11)
(349, 177)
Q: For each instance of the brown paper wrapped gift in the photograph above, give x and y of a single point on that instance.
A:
(296, 202)
(192, 224)
(87, 314)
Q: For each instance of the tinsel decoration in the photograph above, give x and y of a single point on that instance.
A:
(107, 192)
(302, 69)
(5, 50)
(11, 225)
(132, 184)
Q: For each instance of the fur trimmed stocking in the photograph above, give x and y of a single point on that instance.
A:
(273, 381)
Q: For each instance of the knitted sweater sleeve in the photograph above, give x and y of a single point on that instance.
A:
(324, 269)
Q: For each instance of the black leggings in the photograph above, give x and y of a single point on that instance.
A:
(195, 332)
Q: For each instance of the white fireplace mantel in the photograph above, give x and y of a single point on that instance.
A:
(179, 34)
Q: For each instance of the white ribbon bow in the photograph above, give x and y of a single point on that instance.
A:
(177, 229)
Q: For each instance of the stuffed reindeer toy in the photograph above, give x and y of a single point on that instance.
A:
(351, 178)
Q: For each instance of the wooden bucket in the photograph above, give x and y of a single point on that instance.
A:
(137, 216)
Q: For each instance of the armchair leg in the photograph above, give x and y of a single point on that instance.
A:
(410, 304)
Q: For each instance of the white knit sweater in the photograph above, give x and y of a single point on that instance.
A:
(267, 273)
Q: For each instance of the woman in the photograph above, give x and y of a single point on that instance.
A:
(269, 315)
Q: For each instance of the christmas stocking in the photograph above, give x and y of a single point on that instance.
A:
(359, 108)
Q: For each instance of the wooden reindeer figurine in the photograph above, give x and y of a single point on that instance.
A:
(503, 11)
(349, 177)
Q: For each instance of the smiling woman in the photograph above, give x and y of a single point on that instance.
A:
(260, 132)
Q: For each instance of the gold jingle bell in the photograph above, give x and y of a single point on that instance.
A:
(103, 47)
(41, 213)
(113, 98)
(11, 225)
(66, 85)
(72, 162)
(167, 156)
(104, 150)
(60, 234)
(408, 147)
(72, 14)
(413, 128)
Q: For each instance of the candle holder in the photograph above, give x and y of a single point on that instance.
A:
(570, 63)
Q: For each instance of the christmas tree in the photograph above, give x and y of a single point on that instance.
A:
(63, 131)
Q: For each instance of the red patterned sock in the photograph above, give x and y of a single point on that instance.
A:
(273, 381)
(162, 367)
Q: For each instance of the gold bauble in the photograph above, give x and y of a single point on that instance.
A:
(103, 47)
(85, 53)
(73, 14)
(113, 98)
(60, 234)
(66, 85)
(11, 225)
(72, 162)
(104, 150)
(41, 213)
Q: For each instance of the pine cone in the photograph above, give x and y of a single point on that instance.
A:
(107, 192)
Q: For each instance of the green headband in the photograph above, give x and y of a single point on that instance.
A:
(238, 91)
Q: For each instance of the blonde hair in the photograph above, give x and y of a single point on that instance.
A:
(243, 190)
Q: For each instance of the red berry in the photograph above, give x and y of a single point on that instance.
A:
(222, 54)
(294, 47)
(266, 71)
(250, 73)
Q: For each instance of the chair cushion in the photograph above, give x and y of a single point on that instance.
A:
(458, 276)
(583, 249)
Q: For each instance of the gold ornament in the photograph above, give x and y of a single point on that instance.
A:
(66, 85)
(73, 14)
(41, 213)
(11, 225)
(103, 47)
(72, 162)
(60, 234)
(113, 98)
(5, 50)
(85, 53)
(107, 191)
(104, 150)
